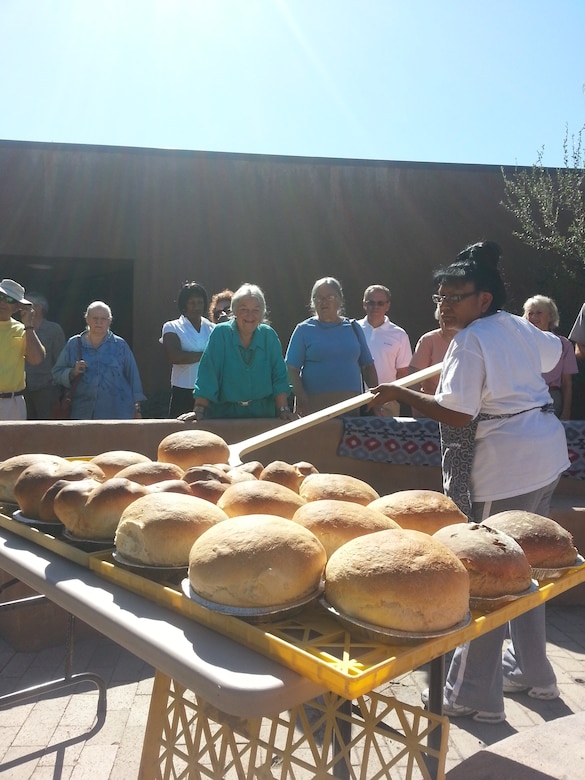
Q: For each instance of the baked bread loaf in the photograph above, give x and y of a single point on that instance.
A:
(546, 544)
(12, 468)
(99, 516)
(193, 448)
(208, 489)
(496, 563)
(253, 467)
(70, 499)
(339, 487)
(256, 561)
(398, 580)
(419, 510)
(171, 486)
(287, 474)
(151, 472)
(47, 510)
(198, 473)
(37, 478)
(113, 461)
(336, 522)
(258, 497)
(159, 529)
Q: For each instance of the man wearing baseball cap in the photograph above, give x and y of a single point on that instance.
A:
(18, 341)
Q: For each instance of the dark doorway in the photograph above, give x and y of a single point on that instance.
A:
(71, 283)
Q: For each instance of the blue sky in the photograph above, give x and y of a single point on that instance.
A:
(462, 81)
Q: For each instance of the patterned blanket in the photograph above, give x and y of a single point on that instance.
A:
(408, 441)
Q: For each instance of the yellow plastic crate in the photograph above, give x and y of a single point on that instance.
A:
(45, 540)
(315, 645)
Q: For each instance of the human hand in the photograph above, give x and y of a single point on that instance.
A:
(382, 395)
(27, 313)
(79, 367)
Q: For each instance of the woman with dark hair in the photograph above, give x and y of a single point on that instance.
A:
(184, 341)
(503, 449)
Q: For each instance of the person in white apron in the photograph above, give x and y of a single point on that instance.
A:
(502, 448)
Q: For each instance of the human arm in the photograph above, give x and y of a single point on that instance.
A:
(176, 355)
(370, 375)
(34, 352)
(425, 403)
(301, 397)
(567, 396)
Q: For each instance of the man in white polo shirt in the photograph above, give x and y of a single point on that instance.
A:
(388, 343)
(18, 341)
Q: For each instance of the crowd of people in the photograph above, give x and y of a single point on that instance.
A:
(505, 384)
(241, 371)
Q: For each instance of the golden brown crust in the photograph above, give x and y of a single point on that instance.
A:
(37, 478)
(400, 580)
(256, 561)
(257, 497)
(99, 516)
(419, 510)
(208, 489)
(113, 461)
(12, 468)
(149, 473)
(496, 563)
(339, 487)
(547, 544)
(282, 473)
(336, 522)
(71, 498)
(159, 529)
(193, 448)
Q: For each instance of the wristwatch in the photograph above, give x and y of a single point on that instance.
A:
(283, 409)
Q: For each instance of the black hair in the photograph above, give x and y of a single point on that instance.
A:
(190, 290)
(478, 263)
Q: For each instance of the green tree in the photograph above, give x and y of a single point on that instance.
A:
(549, 205)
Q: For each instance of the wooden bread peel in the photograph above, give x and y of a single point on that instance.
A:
(295, 426)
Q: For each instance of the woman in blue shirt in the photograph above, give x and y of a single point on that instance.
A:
(108, 385)
(242, 372)
(328, 356)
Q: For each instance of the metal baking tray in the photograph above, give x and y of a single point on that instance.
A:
(554, 574)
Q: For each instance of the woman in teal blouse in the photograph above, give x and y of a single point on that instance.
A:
(242, 372)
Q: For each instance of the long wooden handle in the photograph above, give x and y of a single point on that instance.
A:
(295, 426)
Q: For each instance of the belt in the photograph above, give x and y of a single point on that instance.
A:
(245, 403)
(12, 395)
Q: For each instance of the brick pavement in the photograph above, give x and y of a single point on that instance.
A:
(61, 737)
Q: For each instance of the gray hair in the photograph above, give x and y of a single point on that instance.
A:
(331, 282)
(38, 299)
(98, 305)
(248, 290)
(548, 304)
(379, 288)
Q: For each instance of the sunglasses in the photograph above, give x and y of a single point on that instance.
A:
(7, 299)
(376, 303)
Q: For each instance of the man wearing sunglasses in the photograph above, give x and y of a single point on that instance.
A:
(18, 341)
(388, 343)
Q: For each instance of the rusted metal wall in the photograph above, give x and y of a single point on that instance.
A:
(222, 219)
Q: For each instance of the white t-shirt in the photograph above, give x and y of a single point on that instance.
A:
(185, 374)
(390, 348)
(495, 366)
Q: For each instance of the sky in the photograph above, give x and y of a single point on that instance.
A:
(460, 81)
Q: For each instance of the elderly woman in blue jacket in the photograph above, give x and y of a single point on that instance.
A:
(103, 370)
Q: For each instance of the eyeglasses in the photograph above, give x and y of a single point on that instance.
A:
(324, 298)
(376, 303)
(7, 298)
(451, 300)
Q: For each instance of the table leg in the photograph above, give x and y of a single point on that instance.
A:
(341, 738)
(436, 682)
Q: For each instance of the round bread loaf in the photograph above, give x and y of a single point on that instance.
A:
(283, 474)
(193, 448)
(151, 472)
(99, 516)
(419, 510)
(198, 473)
(47, 511)
(113, 461)
(336, 522)
(209, 489)
(257, 497)
(12, 468)
(546, 544)
(496, 563)
(159, 529)
(37, 478)
(256, 561)
(339, 487)
(171, 486)
(398, 580)
(70, 500)
(253, 467)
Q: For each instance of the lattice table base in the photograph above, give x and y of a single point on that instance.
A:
(329, 737)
